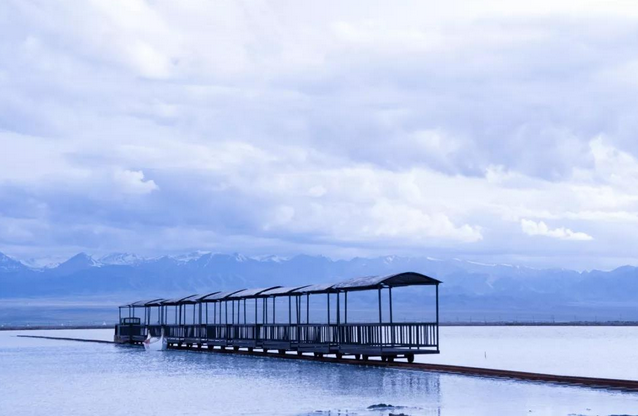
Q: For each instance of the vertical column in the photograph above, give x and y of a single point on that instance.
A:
(391, 326)
(345, 301)
(380, 317)
(437, 316)
(390, 295)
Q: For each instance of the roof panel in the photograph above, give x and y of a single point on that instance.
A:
(392, 280)
(181, 300)
(199, 299)
(320, 288)
(140, 303)
(283, 290)
(218, 296)
(156, 302)
(250, 293)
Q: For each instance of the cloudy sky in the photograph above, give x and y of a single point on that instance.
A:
(491, 131)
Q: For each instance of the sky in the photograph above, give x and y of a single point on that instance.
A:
(493, 131)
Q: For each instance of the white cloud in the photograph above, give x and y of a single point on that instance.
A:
(340, 127)
(132, 182)
(533, 228)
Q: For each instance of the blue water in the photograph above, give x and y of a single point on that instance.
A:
(45, 377)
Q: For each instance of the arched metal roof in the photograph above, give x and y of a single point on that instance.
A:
(357, 283)
(250, 293)
(141, 303)
(280, 291)
(156, 302)
(392, 280)
(181, 301)
(218, 296)
(199, 299)
(320, 288)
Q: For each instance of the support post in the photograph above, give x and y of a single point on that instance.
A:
(307, 308)
(380, 317)
(345, 301)
(390, 295)
(328, 296)
(437, 317)
(391, 326)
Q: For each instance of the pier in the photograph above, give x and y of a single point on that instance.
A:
(248, 319)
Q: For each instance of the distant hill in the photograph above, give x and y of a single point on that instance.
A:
(470, 290)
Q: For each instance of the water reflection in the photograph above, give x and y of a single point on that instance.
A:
(415, 393)
(40, 377)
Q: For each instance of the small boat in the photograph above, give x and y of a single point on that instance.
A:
(155, 344)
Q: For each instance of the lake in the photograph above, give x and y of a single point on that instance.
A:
(46, 377)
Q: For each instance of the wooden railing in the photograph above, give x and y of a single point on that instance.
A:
(413, 334)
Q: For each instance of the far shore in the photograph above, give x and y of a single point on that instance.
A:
(575, 323)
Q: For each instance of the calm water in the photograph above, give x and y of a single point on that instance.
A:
(42, 377)
(588, 351)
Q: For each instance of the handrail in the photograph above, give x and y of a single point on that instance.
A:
(401, 334)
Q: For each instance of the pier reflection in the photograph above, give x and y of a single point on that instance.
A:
(411, 392)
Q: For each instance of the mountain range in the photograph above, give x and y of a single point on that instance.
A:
(470, 290)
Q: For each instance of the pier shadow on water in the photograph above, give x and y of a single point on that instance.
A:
(300, 387)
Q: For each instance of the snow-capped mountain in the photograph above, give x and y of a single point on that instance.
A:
(120, 259)
(195, 255)
(8, 264)
(467, 285)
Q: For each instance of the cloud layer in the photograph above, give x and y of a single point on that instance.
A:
(465, 129)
